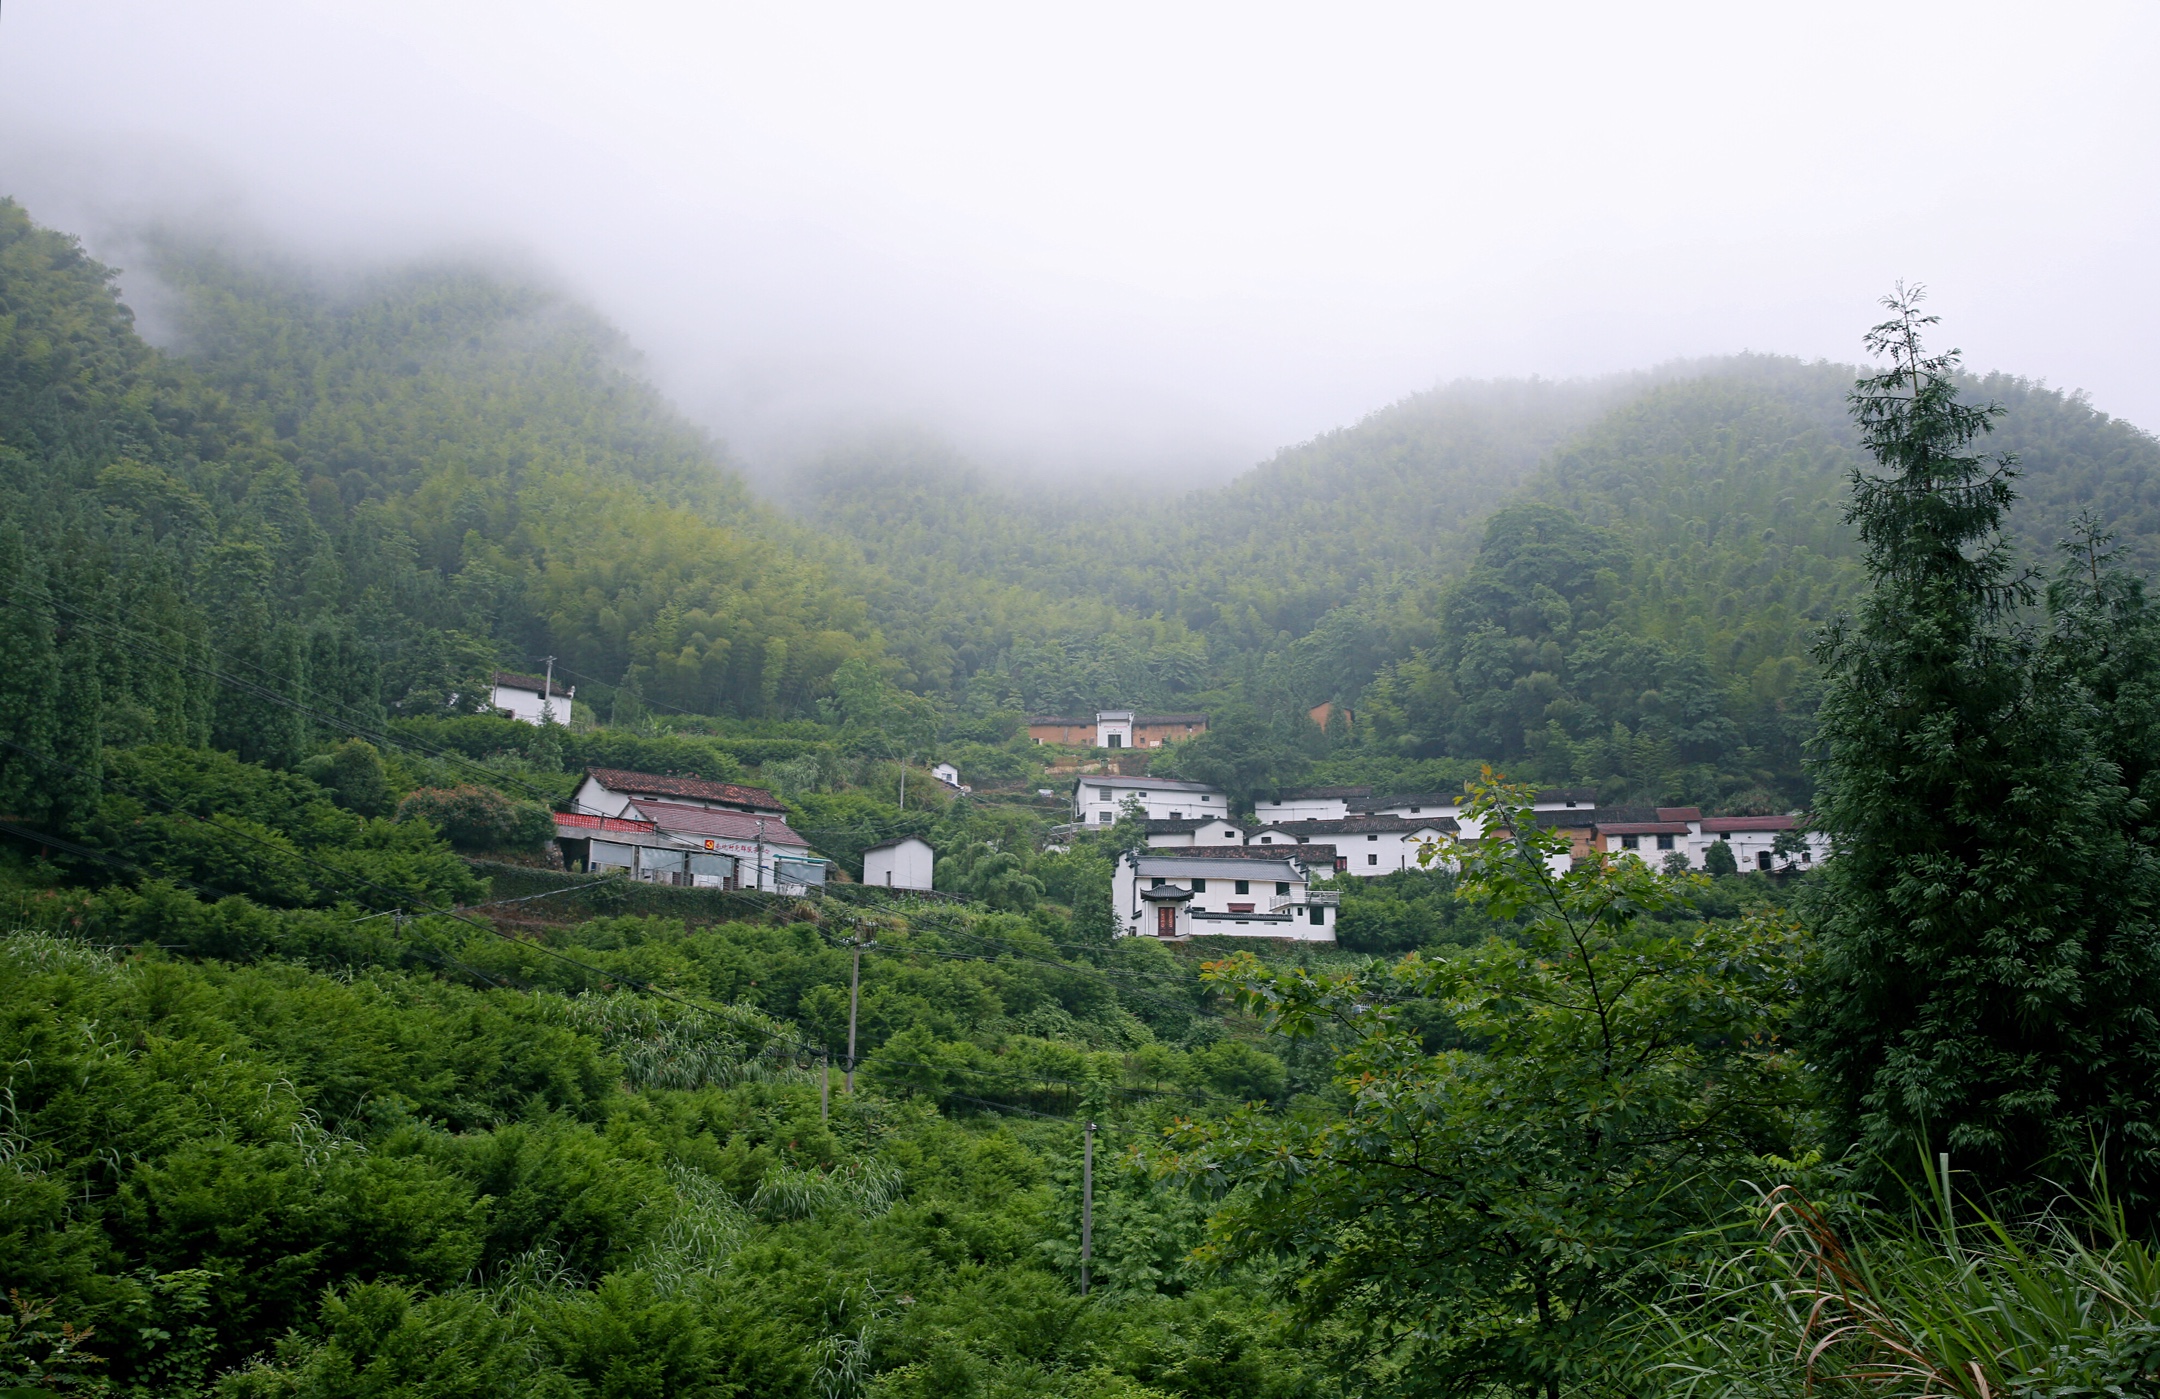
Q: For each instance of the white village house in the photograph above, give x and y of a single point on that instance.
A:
(724, 835)
(1343, 803)
(905, 863)
(1686, 831)
(1236, 891)
(1099, 800)
(947, 774)
(531, 699)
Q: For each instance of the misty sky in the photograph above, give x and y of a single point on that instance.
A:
(1147, 236)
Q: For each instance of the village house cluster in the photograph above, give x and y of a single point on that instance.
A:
(1198, 876)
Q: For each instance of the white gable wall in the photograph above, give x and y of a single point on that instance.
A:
(1209, 833)
(1302, 809)
(906, 865)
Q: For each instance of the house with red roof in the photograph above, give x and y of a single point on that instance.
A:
(727, 835)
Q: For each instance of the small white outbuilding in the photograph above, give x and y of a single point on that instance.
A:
(905, 863)
(947, 774)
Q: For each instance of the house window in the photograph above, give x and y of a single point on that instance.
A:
(1664, 842)
(1244, 886)
(1372, 859)
(1372, 837)
(1415, 810)
(1807, 857)
(1177, 815)
(1571, 806)
(1199, 886)
(1108, 817)
(1117, 741)
(1762, 859)
(1267, 840)
(1157, 883)
(1318, 914)
(1282, 886)
(1629, 842)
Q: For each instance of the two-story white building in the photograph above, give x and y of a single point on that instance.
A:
(1098, 800)
(1235, 891)
(531, 699)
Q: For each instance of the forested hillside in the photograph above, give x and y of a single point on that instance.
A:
(1654, 638)
(326, 1080)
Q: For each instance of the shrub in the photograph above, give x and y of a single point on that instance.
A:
(479, 818)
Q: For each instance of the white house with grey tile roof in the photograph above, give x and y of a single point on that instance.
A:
(1232, 892)
(1099, 800)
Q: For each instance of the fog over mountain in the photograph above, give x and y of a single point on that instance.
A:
(1131, 239)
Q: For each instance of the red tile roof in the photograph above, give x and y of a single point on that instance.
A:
(651, 784)
(1679, 813)
(1733, 825)
(699, 822)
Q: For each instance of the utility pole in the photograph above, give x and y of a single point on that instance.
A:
(757, 871)
(824, 1087)
(1087, 1202)
(854, 998)
(547, 694)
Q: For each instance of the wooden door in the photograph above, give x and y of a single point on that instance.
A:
(1166, 920)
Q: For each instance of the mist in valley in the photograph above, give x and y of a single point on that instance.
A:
(1128, 251)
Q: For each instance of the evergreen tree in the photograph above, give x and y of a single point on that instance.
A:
(75, 785)
(263, 657)
(29, 680)
(1987, 970)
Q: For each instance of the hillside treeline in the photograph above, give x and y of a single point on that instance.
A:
(323, 1080)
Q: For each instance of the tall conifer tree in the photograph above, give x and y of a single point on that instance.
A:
(1987, 977)
(29, 680)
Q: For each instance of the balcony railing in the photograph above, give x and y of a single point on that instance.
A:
(1328, 897)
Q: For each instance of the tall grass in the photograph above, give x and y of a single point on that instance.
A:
(1931, 1303)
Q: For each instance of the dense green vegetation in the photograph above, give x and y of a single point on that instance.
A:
(321, 1082)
